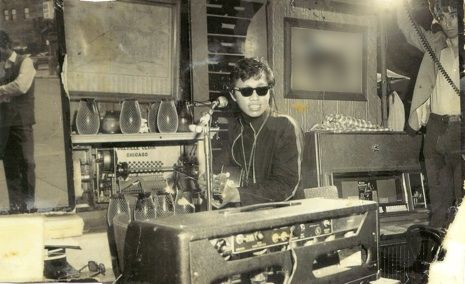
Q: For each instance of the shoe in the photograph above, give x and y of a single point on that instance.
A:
(57, 267)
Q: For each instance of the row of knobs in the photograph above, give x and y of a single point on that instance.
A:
(298, 229)
(257, 236)
(283, 236)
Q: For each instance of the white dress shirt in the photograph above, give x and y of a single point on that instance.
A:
(444, 100)
(23, 81)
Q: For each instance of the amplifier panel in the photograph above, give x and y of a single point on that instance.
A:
(217, 246)
(368, 152)
(327, 153)
(294, 235)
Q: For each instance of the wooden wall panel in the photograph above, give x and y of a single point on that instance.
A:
(310, 112)
(265, 38)
(256, 42)
(199, 45)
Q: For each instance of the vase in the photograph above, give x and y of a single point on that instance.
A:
(87, 117)
(152, 117)
(130, 118)
(165, 204)
(110, 123)
(183, 203)
(117, 205)
(145, 208)
(167, 117)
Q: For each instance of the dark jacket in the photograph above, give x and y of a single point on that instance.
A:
(270, 171)
(20, 110)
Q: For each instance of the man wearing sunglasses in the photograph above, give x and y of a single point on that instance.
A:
(264, 147)
(436, 105)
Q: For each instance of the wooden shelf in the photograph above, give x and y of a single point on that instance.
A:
(228, 17)
(227, 35)
(137, 137)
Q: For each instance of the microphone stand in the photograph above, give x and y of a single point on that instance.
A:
(208, 164)
(205, 130)
(204, 127)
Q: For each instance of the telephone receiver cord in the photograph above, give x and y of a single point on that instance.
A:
(430, 51)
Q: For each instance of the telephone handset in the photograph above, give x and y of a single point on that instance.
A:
(430, 50)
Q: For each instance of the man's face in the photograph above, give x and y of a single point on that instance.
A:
(254, 105)
(449, 24)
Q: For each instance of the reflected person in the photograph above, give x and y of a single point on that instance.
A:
(436, 105)
(16, 121)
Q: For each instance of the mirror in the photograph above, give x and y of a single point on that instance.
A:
(40, 184)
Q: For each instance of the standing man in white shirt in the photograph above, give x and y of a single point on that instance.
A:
(436, 105)
(16, 121)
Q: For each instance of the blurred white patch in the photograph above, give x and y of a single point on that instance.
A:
(452, 269)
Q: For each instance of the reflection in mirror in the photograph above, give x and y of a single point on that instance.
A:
(33, 168)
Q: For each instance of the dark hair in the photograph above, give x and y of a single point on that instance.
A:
(4, 40)
(437, 7)
(247, 68)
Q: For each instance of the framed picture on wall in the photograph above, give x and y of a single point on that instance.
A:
(324, 60)
(122, 48)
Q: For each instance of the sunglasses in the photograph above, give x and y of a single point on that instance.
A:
(247, 92)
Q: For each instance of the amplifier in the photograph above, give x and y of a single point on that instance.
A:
(303, 241)
(379, 166)
(327, 154)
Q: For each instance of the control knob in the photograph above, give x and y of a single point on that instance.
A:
(223, 248)
(284, 236)
(220, 244)
(296, 230)
(240, 239)
(259, 236)
(275, 238)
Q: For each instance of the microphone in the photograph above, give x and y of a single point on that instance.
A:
(220, 102)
